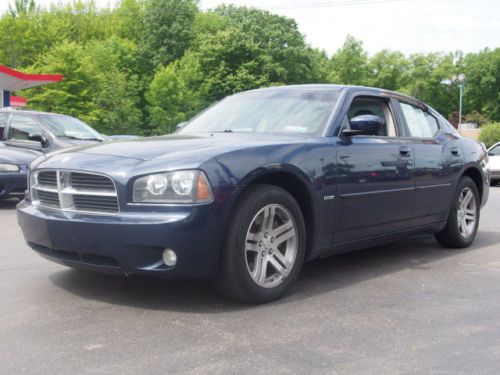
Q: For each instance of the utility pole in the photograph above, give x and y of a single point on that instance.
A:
(457, 79)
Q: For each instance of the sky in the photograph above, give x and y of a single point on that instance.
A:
(408, 26)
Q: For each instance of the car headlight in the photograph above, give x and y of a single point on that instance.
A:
(9, 168)
(189, 186)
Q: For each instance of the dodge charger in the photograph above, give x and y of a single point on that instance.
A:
(254, 186)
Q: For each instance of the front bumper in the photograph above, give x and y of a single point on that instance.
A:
(129, 243)
(13, 184)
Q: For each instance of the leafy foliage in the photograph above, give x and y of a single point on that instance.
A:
(490, 134)
(146, 65)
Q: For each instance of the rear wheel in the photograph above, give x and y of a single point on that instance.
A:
(463, 219)
(265, 246)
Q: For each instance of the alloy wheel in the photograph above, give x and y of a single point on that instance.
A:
(271, 245)
(466, 213)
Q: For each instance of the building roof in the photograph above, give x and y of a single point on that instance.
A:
(12, 80)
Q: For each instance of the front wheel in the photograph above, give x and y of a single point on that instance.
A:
(264, 247)
(463, 219)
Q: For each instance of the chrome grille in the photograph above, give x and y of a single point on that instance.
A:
(48, 178)
(74, 191)
(90, 181)
(48, 198)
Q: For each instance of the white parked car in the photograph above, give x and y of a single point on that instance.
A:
(494, 163)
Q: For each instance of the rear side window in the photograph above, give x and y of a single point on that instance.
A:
(22, 126)
(420, 124)
(3, 123)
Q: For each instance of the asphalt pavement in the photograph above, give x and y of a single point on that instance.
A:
(411, 307)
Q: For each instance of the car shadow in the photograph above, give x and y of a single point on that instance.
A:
(317, 277)
(8, 204)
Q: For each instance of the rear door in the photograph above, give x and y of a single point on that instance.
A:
(375, 176)
(438, 160)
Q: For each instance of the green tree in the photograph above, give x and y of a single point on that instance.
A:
(176, 93)
(350, 63)
(167, 31)
(388, 70)
(490, 134)
(482, 87)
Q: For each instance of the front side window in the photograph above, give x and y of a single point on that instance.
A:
(21, 127)
(420, 124)
(3, 123)
(372, 106)
(269, 111)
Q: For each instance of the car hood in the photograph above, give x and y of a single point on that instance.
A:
(200, 146)
(19, 156)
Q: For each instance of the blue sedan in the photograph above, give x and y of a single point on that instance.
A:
(253, 187)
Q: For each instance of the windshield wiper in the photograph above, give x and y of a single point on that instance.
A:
(222, 131)
(79, 139)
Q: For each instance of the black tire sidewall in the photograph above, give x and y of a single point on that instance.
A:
(451, 236)
(236, 273)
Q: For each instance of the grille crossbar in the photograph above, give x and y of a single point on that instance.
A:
(74, 191)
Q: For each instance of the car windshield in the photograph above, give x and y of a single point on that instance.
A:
(62, 126)
(268, 111)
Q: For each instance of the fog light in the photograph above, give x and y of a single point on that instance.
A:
(169, 257)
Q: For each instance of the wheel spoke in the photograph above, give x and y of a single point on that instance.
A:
(283, 228)
(277, 266)
(285, 237)
(251, 246)
(263, 270)
(268, 219)
(470, 217)
(282, 259)
(257, 268)
(467, 198)
(464, 226)
(253, 237)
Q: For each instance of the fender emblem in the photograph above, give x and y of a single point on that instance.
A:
(329, 197)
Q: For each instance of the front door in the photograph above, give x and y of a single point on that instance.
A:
(375, 183)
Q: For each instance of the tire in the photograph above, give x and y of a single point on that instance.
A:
(250, 243)
(463, 220)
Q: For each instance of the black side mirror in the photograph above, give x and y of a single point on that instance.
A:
(364, 125)
(37, 137)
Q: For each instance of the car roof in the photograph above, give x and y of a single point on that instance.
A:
(351, 88)
(27, 111)
(495, 145)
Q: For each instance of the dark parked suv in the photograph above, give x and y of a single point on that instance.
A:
(28, 134)
(257, 184)
(44, 132)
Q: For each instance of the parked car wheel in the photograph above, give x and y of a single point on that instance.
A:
(265, 246)
(463, 219)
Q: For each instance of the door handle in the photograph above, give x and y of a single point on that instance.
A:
(404, 151)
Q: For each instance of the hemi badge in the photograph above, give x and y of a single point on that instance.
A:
(329, 197)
